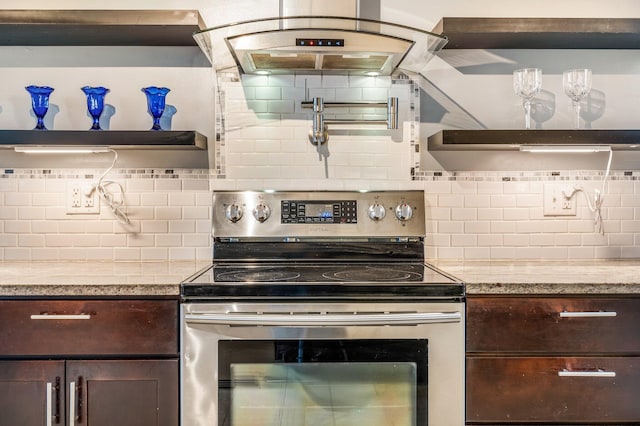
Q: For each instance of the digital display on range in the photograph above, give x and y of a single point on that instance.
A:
(342, 211)
(319, 210)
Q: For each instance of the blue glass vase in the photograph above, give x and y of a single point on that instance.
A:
(155, 103)
(39, 103)
(95, 103)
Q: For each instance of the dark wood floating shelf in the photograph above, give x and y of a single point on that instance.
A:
(116, 139)
(510, 140)
(99, 27)
(540, 33)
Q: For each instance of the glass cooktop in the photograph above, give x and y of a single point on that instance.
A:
(322, 280)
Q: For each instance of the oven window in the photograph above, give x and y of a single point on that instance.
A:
(318, 382)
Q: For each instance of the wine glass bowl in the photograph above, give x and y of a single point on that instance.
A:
(156, 98)
(577, 85)
(527, 82)
(95, 103)
(39, 103)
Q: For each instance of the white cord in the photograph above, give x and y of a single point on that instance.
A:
(115, 200)
(598, 198)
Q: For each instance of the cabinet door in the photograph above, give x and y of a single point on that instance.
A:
(32, 393)
(123, 393)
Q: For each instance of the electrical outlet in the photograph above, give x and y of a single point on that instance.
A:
(82, 198)
(555, 201)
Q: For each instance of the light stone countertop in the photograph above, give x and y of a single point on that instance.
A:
(79, 278)
(546, 277)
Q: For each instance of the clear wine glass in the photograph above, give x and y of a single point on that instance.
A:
(527, 82)
(577, 85)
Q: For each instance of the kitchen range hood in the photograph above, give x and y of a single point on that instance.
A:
(318, 44)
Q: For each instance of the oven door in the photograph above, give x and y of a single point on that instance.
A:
(315, 364)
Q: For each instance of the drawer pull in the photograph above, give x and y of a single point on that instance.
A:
(594, 314)
(598, 373)
(58, 317)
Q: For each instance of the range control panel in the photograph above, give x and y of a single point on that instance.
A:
(300, 211)
(318, 214)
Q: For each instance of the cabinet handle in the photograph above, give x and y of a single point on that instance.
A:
(49, 412)
(72, 403)
(594, 314)
(57, 317)
(57, 388)
(597, 373)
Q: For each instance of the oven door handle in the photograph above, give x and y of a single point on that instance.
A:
(324, 320)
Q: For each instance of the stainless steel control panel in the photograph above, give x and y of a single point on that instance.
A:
(263, 214)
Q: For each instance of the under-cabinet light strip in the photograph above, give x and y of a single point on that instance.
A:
(565, 148)
(58, 150)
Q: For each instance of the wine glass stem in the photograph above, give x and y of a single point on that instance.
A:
(527, 114)
(576, 106)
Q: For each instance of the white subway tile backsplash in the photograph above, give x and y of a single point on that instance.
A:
(483, 201)
(476, 253)
(283, 81)
(182, 227)
(30, 240)
(31, 213)
(154, 199)
(182, 253)
(490, 214)
(503, 201)
(375, 93)
(126, 253)
(8, 213)
(168, 185)
(464, 214)
(451, 201)
(477, 227)
(168, 213)
(268, 93)
(155, 253)
(169, 240)
(335, 81)
(140, 240)
(502, 227)
(31, 185)
(86, 240)
(17, 199)
(17, 227)
(516, 214)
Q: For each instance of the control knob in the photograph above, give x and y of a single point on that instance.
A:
(376, 212)
(261, 212)
(404, 212)
(233, 212)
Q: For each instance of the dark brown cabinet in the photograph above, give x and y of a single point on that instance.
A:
(553, 360)
(32, 393)
(89, 362)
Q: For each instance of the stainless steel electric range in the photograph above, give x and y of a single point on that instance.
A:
(318, 308)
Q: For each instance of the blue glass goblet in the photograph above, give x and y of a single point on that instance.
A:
(39, 103)
(95, 103)
(156, 102)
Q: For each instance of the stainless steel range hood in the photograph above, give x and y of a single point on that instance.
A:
(318, 44)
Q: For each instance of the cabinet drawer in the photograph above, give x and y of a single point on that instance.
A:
(524, 390)
(567, 325)
(74, 327)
